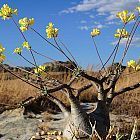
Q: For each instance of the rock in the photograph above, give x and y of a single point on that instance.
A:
(40, 120)
(37, 134)
(55, 133)
(38, 138)
(42, 133)
(33, 138)
(60, 133)
(14, 125)
(59, 138)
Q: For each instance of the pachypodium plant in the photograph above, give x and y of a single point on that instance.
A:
(25, 23)
(2, 56)
(79, 123)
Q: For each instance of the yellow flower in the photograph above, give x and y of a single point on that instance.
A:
(137, 67)
(25, 44)
(6, 12)
(138, 8)
(123, 15)
(95, 32)
(132, 63)
(2, 58)
(25, 23)
(51, 31)
(18, 50)
(121, 33)
(31, 21)
(36, 71)
(23, 28)
(40, 69)
(1, 49)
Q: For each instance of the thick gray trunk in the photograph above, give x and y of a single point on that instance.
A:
(61, 105)
(101, 116)
(78, 124)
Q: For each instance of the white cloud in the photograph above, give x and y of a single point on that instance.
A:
(96, 25)
(96, 22)
(103, 7)
(135, 42)
(100, 26)
(101, 14)
(91, 16)
(113, 23)
(83, 21)
(84, 28)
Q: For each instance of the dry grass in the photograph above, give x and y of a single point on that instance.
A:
(13, 91)
(128, 103)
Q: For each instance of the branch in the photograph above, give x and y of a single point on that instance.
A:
(127, 89)
(117, 71)
(59, 103)
(26, 81)
(59, 87)
(98, 84)
(71, 80)
(85, 75)
(83, 88)
(111, 96)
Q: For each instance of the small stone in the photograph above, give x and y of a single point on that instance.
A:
(42, 133)
(59, 132)
(37, 134)
(55, 133)
(59, 138)
(48, 133)
(38, 138)
(33, 138)
(48, 139)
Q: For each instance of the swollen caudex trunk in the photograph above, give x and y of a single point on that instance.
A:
(78, 124)
(101, 116)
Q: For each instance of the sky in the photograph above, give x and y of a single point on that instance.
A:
(75, 19)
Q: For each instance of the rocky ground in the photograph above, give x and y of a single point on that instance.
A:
(16, 126)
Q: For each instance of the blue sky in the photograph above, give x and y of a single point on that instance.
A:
(75, 20)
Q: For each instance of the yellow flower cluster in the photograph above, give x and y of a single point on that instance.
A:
(18, 50)
(25, 23)
(26, 45)
(95, 32)
(2, 56)
(51, 31)
(40, 69)
(121, 33)
(134, 65)
(138, 8)
(125, 18)
(6, 12)
(1, 49)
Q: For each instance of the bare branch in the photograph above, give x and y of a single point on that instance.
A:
(85, 75)
(127, 89)
(80, 90)
(24, 80)
(59, 103)
(71, 80)
(111, 96)
(57, 88)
